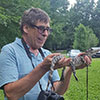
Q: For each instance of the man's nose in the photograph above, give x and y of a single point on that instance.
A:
(45, 33)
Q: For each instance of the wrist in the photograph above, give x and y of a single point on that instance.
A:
(44, 67)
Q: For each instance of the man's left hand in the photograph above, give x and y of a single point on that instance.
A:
(87, 60)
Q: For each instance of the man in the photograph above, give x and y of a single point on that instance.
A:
(20, 75)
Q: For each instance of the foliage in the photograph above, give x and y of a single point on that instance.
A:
(8, 22)
(1, 95)
(10, 14)
(95, 23)
(63, 20)
(77, 90)
(83, 12)
(92, 39)
(58, 19)
(84, 38)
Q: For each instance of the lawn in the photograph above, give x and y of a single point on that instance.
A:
(77, 90)
(1, 95)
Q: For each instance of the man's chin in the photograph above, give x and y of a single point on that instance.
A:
(39, 46)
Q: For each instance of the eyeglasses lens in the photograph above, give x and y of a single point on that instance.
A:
(42, 29)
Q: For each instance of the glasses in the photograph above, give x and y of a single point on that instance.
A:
(42, 29)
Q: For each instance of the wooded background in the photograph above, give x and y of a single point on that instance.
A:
(77, 27)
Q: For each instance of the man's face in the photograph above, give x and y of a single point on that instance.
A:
(37, 38)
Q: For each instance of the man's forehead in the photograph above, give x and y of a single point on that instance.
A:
(42, 23)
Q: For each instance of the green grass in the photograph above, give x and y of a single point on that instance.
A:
(77, 90)
(1, 95)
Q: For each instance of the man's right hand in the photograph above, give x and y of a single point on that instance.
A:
(60, 64)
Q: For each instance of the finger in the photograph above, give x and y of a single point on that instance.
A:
(61, 61)
(90, 58)
(87, 59)
(65, 61)
(53, 54)
(49, 57)
(83, 53)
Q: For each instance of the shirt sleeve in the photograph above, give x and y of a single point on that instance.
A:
(8, 68)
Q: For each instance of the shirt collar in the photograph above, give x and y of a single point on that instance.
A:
(19, 42)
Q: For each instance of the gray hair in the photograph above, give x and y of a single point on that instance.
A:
(32, 16)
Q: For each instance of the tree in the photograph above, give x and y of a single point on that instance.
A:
(95, 23)
(84, 38)
(63, 21)
(58, 10)
(10, 14)
(8, 24)
(92, 39)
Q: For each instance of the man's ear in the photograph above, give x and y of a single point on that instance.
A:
(25, 28)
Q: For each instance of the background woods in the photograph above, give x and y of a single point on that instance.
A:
(81, 21)
(75, 27)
